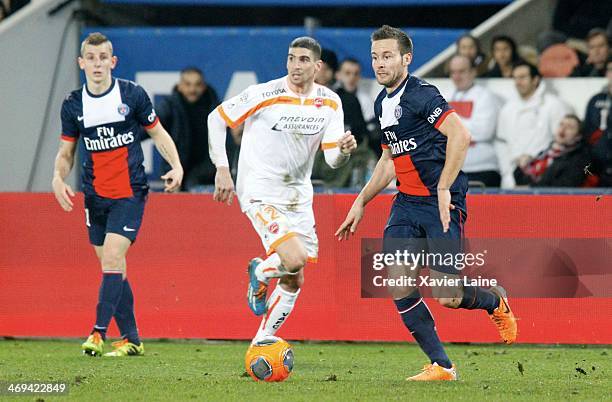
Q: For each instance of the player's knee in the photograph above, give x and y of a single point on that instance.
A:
(292, 283)
(295, 261)
(112, 261)
(450, 302)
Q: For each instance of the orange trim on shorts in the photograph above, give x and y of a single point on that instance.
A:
(328, 145)
(280, 240)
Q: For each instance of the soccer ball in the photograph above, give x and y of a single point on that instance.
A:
(269, 360)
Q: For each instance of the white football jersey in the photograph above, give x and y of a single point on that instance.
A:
(282, 133)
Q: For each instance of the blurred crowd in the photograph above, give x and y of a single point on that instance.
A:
(533, 139)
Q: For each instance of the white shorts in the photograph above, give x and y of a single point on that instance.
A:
(275, 224)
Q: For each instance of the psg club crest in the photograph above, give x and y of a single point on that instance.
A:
(123, 109)
(318, 102)
(398, 112)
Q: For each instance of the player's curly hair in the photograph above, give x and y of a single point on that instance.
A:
(309, 43)
(95, 39)
(388, 32)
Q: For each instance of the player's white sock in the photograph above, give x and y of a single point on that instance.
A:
(280, 305)
(271, 267)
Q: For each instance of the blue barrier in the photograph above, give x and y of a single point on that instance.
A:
(221, 51)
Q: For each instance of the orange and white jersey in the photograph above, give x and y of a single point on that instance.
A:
(282, 132)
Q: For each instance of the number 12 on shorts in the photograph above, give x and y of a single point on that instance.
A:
(268, 210)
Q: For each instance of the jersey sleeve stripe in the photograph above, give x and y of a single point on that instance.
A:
(384, 146)
(328, 145)
(150, 126)
(68, 138)
(443, 117)
(225, 117)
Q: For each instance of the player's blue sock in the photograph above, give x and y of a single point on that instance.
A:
(124, 315)
(108, 297)
(475, 297)
(420, 323)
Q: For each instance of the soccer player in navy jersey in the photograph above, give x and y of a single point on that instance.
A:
(424, 145)
(111, 116)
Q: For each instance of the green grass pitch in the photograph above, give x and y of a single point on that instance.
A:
(192, 370)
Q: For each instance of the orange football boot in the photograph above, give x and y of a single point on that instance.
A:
(433, 372)
(503, 318)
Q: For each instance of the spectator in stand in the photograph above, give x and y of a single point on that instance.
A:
(478, 109)
(597, 122)
(576, 17)
(598, 45)
(505, 55)
(469, 46)
(353, 117)
(526, 124)
(349, 76)
(345, 175)
(184, 113)
(562, 164)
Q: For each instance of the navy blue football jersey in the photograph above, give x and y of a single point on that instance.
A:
(409, 119)
(111, 126)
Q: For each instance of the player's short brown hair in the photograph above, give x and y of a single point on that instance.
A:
(309, 43)
(95, 39)
(388, 32)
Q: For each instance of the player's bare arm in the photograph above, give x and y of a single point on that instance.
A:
(63, 165)
(224, 184)
(382, 175)
(167, 149)
(456, 149)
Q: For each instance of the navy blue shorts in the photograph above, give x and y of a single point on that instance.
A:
(414, 225)
(122, 216)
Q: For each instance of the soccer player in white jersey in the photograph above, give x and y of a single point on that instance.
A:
(286, 121)
(110, 116)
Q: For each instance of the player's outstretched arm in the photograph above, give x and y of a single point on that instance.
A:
(167, 149)
(224, 184)
(456, 150)
(383, 173)
(63, 165)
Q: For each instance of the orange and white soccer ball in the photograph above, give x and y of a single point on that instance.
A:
(269, 360)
